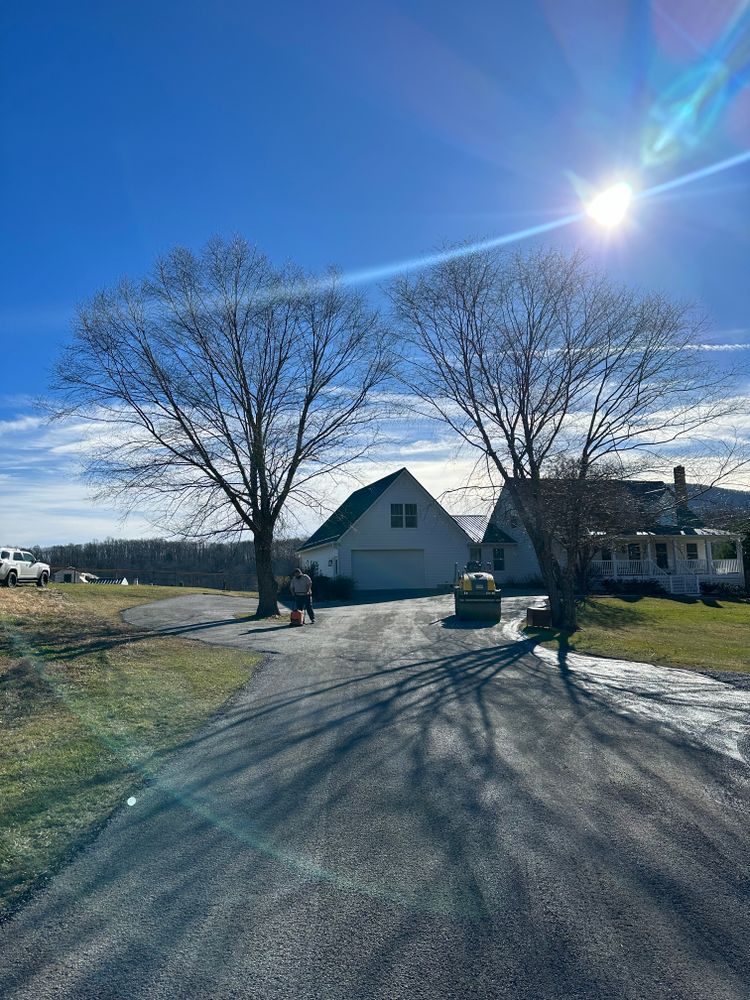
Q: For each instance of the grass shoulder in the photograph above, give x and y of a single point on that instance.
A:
(89, 708)
(702, 633)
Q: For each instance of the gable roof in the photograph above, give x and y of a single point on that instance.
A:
(658, 509)
(473, 526)
(665, 509)
(495, 535)
(355, 505)
(482, 530)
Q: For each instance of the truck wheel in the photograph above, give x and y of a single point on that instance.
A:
(43, 580)
(12, 579)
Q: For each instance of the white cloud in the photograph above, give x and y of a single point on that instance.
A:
(19, 425)
(44, 500)
(57, 511)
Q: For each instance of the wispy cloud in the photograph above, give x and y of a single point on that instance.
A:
(19, 425)
(44, 500)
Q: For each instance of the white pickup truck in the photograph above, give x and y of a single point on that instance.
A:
(19, 566)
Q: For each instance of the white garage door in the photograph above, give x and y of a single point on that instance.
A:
(388, 569)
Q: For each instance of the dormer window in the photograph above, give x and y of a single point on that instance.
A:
(403, 515)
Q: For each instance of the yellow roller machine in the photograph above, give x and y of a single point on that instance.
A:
(476, 594)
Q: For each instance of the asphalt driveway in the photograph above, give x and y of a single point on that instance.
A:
(400, 806)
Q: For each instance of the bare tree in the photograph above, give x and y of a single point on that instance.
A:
(225, 390)
(585, 514)
(544, 366)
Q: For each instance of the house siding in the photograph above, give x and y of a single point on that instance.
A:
(326, 557)
(521, 563)
(443, 542)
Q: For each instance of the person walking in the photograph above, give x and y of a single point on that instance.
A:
(301, 588)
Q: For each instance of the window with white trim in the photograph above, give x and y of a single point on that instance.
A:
(403, 515)
(498, 560)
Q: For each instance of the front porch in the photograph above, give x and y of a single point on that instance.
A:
(680, 565)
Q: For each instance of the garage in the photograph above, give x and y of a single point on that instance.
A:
(388, 569)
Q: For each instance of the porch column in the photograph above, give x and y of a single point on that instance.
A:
(674, 555)
(740, 556)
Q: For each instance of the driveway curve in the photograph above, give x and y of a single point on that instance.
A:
(401, 806)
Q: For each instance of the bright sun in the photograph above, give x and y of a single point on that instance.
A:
(610, 206)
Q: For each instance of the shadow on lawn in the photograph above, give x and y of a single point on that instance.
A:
(67, 645)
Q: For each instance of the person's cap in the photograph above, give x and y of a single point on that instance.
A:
(298, 572)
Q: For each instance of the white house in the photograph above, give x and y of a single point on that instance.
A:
(394, 535)
(390, 535)
(669, 544)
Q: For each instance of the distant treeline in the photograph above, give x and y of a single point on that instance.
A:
(155, 560)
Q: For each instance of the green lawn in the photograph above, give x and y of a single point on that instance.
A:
(681, 632)
(88, 710)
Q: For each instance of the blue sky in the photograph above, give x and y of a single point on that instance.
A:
(347, 134)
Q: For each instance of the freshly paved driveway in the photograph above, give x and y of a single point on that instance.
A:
(398, 807)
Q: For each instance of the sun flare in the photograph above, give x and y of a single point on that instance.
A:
(610, 207)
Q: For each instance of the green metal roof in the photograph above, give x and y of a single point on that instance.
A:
(350, 511)
(495, 535)
(483, 531)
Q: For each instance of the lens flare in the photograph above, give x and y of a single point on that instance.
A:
(610, 207)
(684, 115)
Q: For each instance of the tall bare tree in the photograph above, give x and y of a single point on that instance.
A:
(225, 390)
(542, 364)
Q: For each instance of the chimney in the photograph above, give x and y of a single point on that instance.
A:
(680, 487)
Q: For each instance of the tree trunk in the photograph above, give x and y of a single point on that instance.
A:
(562, 603)
(267, 587)
(582, 563)
(560, 583)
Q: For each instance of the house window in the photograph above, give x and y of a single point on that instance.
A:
(607, 555)
(475, 554)
(634, 551)
(691, 550)
(498, 560)
(403, 515)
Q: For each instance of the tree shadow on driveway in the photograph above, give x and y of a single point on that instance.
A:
(435, 820)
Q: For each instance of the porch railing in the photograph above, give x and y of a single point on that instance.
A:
(648, 568)
(626, 568)
(725, 566)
